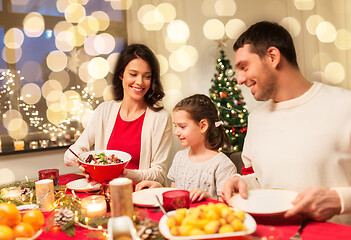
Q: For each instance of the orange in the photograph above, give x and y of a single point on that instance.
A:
(23, 230)
(6, 233)
(9, 214)
(35, 218)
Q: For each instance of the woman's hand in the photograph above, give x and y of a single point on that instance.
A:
(87, 176)
(197, 194)
(147, 184)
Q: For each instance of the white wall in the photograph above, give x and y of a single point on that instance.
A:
(28, 164)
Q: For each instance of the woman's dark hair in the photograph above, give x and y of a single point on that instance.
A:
(131, 52)
(199, 107)
(263, 35)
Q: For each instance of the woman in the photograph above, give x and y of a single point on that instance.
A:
(133, 122)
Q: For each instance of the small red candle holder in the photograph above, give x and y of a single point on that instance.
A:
(50, 174)
(176, 199)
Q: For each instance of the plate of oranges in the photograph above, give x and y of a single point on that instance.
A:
(20, 222)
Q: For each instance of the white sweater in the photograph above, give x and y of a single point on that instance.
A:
(156, 137)
(304, 143)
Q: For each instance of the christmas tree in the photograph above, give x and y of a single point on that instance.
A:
(226, 94)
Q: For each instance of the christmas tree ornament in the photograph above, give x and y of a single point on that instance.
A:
(229, 72)
(223, 94)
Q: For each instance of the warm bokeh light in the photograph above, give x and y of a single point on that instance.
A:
(304, 4)
(56, 61)
(70, 100)
(31, 93)
(20, 2)
(17, 129)
(171, 81)
(54, 96)
(98, 67)
(10, 115)
(312, 23)
(168, 12)
(153, 20)
(172, 97)
(79, 38)
(65, 41)
(172, 46)
(62, 77)
(89, 26)
(326, 32)
(163, 64)
(225, 7)
(61, 5)
(319, 76)
(13, 38)
(89, 46)
(33, 24)
(112, 61)
(97, 87)
(292, 25)
(343, 39)
(178, 31)
(108, 93)
(49, 86)
(74, 13)
(144, 10)
(234, 28)
(121, 4)
(102, 18)
(11, 55)
(104, 43)
(56, 113)
(213, 29)
(83, 72)
(335, 72)
(176, 63)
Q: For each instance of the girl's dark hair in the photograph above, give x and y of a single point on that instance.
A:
(131, 52)
(199, 107)
(263, 35)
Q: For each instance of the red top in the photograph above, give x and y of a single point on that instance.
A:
(246, 171)
(126, 137)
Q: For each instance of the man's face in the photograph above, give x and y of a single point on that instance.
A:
(256, 73)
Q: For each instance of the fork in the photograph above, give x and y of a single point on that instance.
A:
(297, 235)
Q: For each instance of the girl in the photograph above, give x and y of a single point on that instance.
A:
(200, 169)
(127, 123)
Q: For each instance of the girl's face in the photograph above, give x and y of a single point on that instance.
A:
(187, 130)
(136, 79)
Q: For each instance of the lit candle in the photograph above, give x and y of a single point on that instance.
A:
(11, 192)
(93, 206)
(44, 190)
(121, 190)
(19, 145)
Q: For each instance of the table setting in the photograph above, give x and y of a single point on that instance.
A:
(74, 208)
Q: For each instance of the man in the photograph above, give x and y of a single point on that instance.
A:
(300, 138)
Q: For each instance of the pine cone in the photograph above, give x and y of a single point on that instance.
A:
(25, 191)
(62, 216)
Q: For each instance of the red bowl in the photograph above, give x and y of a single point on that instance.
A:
(105, 173)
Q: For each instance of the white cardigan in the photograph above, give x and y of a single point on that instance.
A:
(156, 137)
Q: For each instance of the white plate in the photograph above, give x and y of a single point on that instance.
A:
(249, 223)
(146, 197)
(264, 201)
(81, 185)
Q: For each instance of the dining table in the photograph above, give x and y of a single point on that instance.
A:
(267, 231)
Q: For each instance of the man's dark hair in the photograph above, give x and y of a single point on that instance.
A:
(263, 35)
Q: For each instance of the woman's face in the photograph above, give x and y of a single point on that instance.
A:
(136, 79)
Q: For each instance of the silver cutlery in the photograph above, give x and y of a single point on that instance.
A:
(161, 207)
(297, 235)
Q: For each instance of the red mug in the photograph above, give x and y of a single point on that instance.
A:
(176, 199)
(50, 174)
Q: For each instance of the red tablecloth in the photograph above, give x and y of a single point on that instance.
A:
(313, 231)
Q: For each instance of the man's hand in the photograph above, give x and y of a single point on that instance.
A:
(147, 184)
(197, 194)
(232, 185)
(319, 204)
